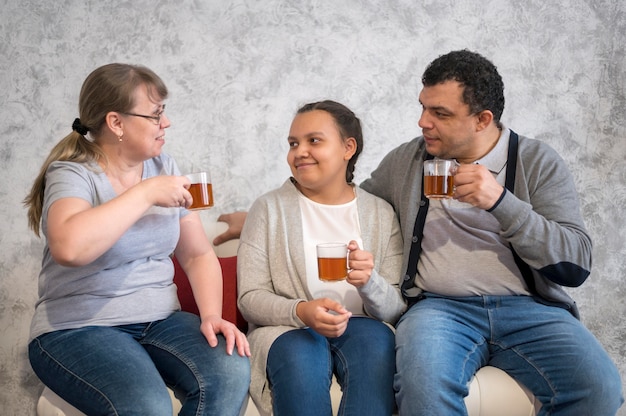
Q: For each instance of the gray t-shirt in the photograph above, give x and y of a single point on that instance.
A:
(130, 283)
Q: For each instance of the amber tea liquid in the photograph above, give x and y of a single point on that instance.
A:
(332, 269)
(202, 194)
(438, 187)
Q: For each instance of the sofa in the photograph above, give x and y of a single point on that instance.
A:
(492, 392)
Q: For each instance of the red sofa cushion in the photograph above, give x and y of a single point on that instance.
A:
(230, 312)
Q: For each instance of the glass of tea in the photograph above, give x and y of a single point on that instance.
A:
(332, 261)
(439, 178)
(201, 190)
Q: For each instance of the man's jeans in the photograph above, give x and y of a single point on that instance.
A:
(301, 363)
(124, 370)
(441, 342)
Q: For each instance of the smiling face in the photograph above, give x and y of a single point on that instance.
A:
(448, 127)
(318, 155)
(143, 138)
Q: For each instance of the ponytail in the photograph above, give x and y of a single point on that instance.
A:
(73, 148)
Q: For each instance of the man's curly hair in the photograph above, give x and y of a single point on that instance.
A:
(483, 86)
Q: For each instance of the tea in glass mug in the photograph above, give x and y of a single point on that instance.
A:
(201, 190)
(439, 178)
(332, 261)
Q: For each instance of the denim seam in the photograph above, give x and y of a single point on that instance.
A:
(344, 382)
(467, 358)
(543, 375)
(192, 368)
(76, 376)
(523, 357)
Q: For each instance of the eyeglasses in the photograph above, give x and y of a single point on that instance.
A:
(155, 119)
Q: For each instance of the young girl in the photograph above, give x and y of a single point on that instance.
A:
(303, 330)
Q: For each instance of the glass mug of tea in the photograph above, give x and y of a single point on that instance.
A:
(201, 190)
(332, 261)
(439, 178)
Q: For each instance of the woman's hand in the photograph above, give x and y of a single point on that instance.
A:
(325, 316)
(168, 191)
(360, 265)
(213, 325)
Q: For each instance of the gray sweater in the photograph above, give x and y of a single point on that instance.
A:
(541, 219)
(271, 275)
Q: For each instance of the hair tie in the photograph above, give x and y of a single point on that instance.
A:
(78, 127)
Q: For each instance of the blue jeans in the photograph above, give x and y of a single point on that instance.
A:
(301, 364)
(124, 370)
(441, 343)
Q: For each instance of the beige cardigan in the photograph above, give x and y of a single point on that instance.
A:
(271, 276)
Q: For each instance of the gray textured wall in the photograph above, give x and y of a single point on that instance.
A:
(237, 71)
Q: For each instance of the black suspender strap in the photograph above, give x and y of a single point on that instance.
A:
(509, 184)
(416, 247)
(511, 162)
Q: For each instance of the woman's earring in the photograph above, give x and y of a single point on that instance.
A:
(119, 138)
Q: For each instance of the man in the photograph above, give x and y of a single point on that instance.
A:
(485, 270)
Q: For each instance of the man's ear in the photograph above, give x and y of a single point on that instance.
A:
(484, 119)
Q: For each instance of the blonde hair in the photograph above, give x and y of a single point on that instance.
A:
(108, 88)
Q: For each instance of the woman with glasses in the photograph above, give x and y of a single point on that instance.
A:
(108, 335)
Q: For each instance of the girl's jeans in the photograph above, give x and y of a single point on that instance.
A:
(441, 342)
(124, 370)
(301, 364)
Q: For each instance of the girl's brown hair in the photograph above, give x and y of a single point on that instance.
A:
(348, 124)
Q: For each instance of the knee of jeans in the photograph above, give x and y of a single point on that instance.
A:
(227, 370)
(238, 373)
(298, 364)
(381, 352)
(299, 347)
(149, 403)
